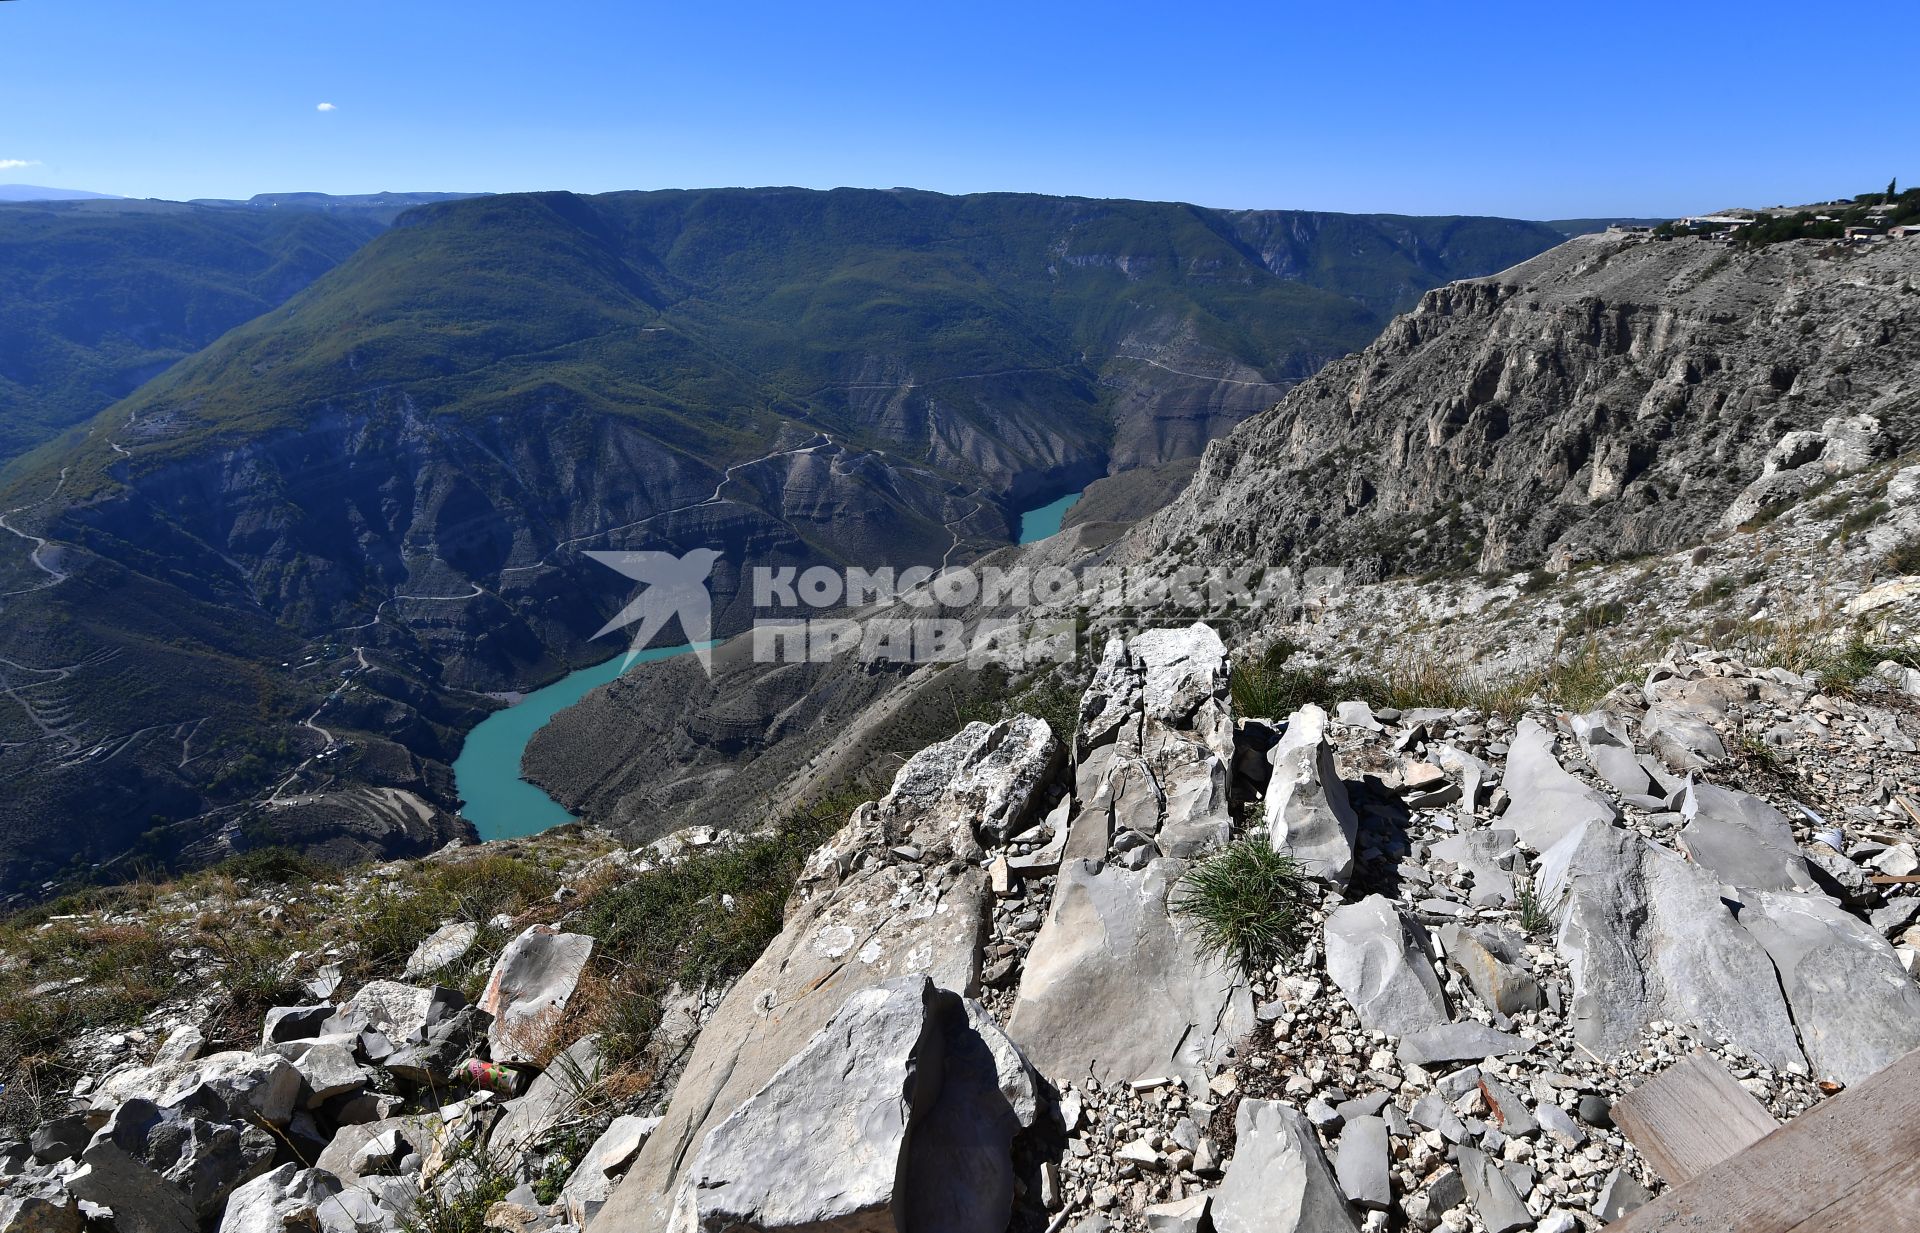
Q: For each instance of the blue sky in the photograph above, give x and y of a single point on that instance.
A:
(1538, 110)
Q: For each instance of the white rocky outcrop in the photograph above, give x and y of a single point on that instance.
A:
(1308, 814)
(529, 988)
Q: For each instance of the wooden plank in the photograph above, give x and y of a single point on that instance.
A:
(1851, 1164)
(1691, 1117)
(1893, 879)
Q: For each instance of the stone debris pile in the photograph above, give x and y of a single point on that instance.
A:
(990, 1010)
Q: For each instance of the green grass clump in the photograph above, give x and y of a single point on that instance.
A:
(461, 1207)
(1596, 617)
(104, 974)
(1861, 519)
(1267, 688)
(1718, 588)
(1535, 920)
(1250, 904)
(672, 927)
(276, 866)
(387, 928)
(1905, 559)
(1051, 700)
(1576, 676)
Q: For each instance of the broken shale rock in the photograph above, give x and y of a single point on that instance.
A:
(1308, 813)
(1856, 1008)
(1378, 956)
(1649, 936)
(1177, 1012)
(168, 1168)
(891, 1117)
(864, 913)
(529, 989)
(1279, 1180)
(1547, 802)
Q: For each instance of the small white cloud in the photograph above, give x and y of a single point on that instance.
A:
(326, 107)
(12, 164)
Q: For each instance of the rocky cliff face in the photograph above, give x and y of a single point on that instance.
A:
(1613, 397)
(1471, 440)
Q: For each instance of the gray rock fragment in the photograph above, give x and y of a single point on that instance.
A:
(529, 989)
(1490, 856)
(167, 1168)
(1649, 936)
(592, 1180)
(1622, 1194)
(40, 1209)
(1459, 1042)
(1491, 961)
(1379, 958)
(446, 945)
(1363, 1163)
(573, 1077)
(285, 1023)
(1546, 802)
(891, 1117)
(1855, 1006)
(1177, 1012)
(1494, 1199)
(1278, 1180)
(1308, 814)
(1188, 1215)
(1743, 840)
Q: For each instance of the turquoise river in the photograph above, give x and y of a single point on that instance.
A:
(502, 805)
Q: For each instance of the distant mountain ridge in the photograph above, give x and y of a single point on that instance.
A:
(384, 206)
(34, 192)
(99, 295)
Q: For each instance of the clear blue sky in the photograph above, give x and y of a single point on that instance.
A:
(1539, 110)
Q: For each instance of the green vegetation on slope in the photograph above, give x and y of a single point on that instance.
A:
(95, 301)
(702, 314)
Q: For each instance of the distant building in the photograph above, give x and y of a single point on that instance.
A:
(1904, 230)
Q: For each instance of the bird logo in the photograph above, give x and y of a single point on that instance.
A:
(675, 586)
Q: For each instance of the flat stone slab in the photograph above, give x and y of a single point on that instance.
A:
(529, 989)
(1378, 957)
(1459, 1042)
(1278, 1180)
(1648, 935)
(1547, 803)
(1175, 1011)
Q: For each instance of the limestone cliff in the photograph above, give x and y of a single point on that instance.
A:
(1615, 396)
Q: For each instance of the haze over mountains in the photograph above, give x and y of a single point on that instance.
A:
(391, 474)
(101, 296)
(34, 192)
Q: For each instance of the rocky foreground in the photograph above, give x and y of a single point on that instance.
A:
(989, 1006)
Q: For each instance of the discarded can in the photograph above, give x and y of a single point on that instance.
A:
(492, 1076)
